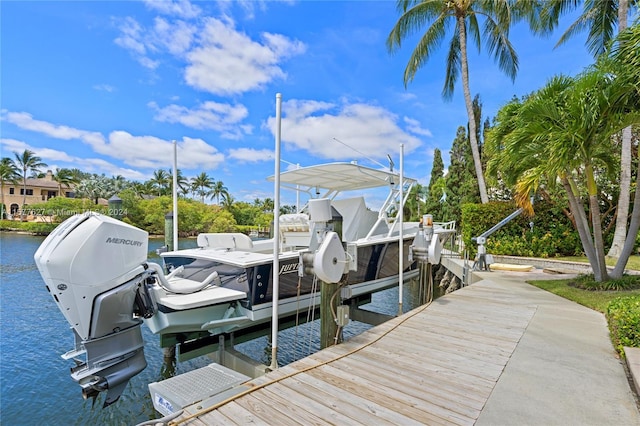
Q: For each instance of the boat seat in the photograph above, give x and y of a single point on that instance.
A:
(294, 222)
(228, 241)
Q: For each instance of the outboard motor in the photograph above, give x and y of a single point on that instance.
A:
(95, 269)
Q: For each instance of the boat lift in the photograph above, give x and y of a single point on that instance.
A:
(483, 260)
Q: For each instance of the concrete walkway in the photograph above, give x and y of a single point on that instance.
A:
(564, 370)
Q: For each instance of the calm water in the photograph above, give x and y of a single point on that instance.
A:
(36, 388)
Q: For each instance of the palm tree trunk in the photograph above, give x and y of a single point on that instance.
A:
(596, 224)
(2, 200)
(472, 119)
(23, 216)
(634, 227)
(623, 199)
(625, 165)
(581, 225)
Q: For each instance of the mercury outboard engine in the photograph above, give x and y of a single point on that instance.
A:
(95, 269)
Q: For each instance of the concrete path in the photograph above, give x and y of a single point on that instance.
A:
(564, 370)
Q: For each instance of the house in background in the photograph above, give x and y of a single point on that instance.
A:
(38, 191)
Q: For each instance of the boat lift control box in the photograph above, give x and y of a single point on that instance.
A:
(213, 383)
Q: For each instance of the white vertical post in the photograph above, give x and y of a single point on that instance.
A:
(174, 194)
(276, 240)
(401, 236)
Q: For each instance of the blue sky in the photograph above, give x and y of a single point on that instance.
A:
(106, 86)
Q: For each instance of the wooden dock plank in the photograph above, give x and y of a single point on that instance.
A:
(297, 411)
(427, 378)
(238, 413)
(413, 391)
(361, 409)
(474, 398)
(436, 365)
(265, 411)
(382, 398)
(315, 401)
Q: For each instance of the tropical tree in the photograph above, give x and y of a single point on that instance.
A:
(119, 183)
(9, 173)
(460, 183)
(436, 190)
(202, 185)
(95, 187)
(563, 132)
(227, 201)
(143, 188)
(161, 180)
(65, 178)
(219, 190)
(184, 186)
(27, 161)
(498, 15)
(599, 18)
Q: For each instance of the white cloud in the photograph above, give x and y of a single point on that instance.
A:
(90, 165)
(135, 151)
(104, 88)
(25, 121)
(229, 62)
(175, 37)
(368, 129)
(132, 39)
(224, 118)
(251, 155)
(180, 8)
(153, 152)
(414, 127)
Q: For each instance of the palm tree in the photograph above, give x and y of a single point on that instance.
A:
(227, 201)
(599, 18)
(9, 173)
(184, 186)
(498, 16)
(64, 177)
(218, 190)
(27, 161)
(162, 181)
(202, 185)
(563, 131)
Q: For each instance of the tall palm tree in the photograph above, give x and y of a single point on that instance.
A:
(218, 190)
(599, 18)
(498, 15)
(227, 201)
(202, 185)
(65, 178)
(162, 181)
(27, 161)
(9, 173)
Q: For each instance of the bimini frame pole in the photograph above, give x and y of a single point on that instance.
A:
(276, 240)
(174, 195)
(401, 233)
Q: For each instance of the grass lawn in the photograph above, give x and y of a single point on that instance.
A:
(596, 300)
(633, 263)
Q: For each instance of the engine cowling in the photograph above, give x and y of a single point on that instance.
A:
(95, 269)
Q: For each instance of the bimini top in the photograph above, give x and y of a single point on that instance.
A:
(338, 177)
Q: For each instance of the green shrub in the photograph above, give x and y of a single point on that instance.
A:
(623, 316)
(551, 235)
(38, 228)
(587, 282)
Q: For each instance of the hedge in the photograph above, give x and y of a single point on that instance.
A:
(623, 316)
(552, 233)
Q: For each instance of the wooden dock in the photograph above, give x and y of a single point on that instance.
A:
(435, 365)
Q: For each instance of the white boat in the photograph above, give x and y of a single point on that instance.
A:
(97, 271)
